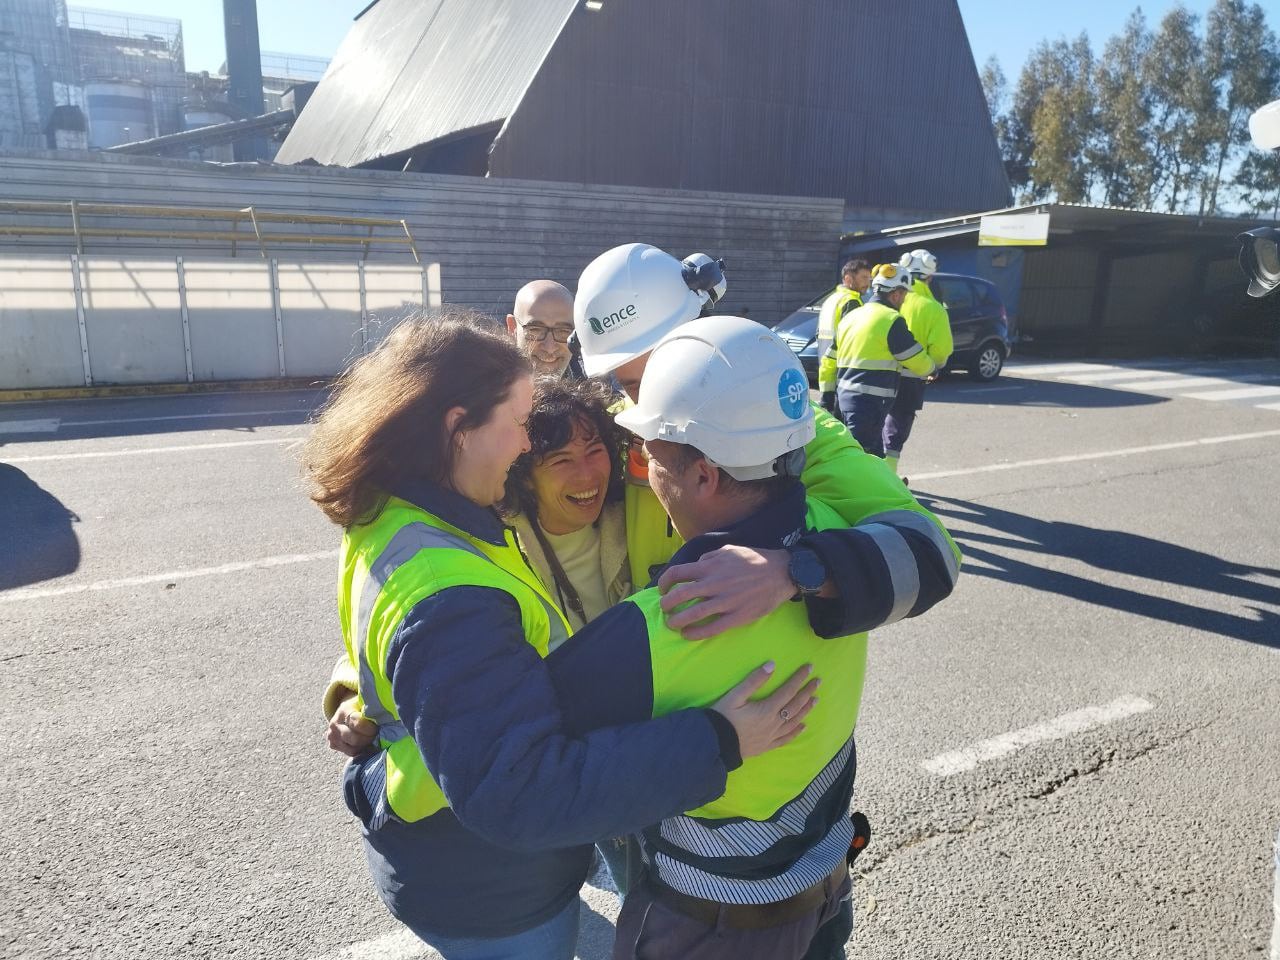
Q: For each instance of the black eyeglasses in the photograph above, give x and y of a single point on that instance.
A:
(536, 333)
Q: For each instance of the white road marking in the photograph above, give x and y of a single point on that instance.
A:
(180, 416)
(28, 426)
(39, 593)
(1078, 721)
(1100, 455)
(1056, 368)
(1095, 377)
(1188, 383)
(1268, 406)
(137, 451)
(1239, 393)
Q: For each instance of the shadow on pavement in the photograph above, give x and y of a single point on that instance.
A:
(37, 540)
(1115, 552)
(1025, 392)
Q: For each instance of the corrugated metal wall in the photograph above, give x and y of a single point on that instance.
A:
(875, 101)
(489, 236)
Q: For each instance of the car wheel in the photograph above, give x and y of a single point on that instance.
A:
(987, 362)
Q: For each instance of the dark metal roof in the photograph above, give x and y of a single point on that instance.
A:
(414, 71)
(1114, 224)
(748, 96)
(764, 96)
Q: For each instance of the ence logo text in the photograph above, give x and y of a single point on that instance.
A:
(601, 325)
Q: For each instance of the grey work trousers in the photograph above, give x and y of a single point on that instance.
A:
(648, 929)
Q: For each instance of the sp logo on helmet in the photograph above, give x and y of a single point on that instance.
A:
(793, 393)
(601, 325)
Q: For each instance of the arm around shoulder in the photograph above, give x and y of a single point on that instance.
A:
(481, 705)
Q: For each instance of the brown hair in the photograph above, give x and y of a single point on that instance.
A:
(384, 423)
(851, 268)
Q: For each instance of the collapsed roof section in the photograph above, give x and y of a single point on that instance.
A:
(412, 72)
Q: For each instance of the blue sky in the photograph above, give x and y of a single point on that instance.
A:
(316, 27)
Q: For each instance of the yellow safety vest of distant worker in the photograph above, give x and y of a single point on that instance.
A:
(838, 303)
(926, 316)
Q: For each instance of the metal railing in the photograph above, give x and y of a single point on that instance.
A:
(259, 221)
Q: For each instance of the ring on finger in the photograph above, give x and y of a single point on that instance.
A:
(785, 714)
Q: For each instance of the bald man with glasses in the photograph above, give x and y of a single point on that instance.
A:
(541, 322)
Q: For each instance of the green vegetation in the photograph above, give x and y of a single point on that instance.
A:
(1158, 120)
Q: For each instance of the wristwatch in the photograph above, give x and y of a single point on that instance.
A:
(807, 571)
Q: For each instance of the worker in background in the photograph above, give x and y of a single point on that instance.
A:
(541, 321)
(855, 277)
(928, 322)
(725, 416)
(872, 345)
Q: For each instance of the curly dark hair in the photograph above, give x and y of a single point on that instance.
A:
(560, 407)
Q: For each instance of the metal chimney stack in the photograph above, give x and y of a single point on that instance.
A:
(244, 70)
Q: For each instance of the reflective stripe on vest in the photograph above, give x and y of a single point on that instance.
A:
(862, 341)
(410, 791)
(876, 383)
(403, 547)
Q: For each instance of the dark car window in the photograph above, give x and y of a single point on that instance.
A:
(955, 293)
(816, 302)
(800, 323)
(985, 295)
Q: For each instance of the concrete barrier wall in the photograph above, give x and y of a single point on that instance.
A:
(490, 236)
(87, 321)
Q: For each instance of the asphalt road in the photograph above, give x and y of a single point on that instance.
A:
(1076, 755)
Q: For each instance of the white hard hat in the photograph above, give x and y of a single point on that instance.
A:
(731, 388)
(890, 276)
(920, 262)
(631, 296)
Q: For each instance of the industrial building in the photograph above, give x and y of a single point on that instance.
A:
(749, 96)
(75, 78)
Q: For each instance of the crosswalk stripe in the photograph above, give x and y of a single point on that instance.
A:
(1054, 369)
(1268, 406)
(1130, 374)
(1241, 393)
(1192, 383)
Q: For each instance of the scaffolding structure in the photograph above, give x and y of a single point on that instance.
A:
(36, 71)
(126, 48)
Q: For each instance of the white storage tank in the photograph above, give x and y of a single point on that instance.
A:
(206, 115)
(119, 113)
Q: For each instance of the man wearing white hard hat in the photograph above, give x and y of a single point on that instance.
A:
(873, 345)
(725, 416)
(627, 300)
(928, 323)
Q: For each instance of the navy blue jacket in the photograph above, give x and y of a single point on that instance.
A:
(485, 714)
(479, 702)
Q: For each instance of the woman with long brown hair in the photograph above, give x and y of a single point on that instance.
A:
(447, 625)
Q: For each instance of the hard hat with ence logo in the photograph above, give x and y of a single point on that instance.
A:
(631, 296)
(890, 276)
(734, 390)
(921, 262)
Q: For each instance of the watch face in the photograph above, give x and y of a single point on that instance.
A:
(807, 571)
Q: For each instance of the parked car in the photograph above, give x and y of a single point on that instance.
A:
(979, 326)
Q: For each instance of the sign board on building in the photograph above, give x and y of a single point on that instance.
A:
(1014, 230)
